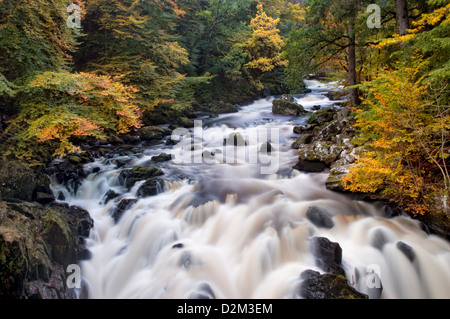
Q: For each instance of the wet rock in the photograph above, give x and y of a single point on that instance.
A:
(140, 173)
(235, 139)
(310, 166)
(204, 292)
(328, 286)
(221, 107)
(322, 116)
(110, 195)
(407, 250)
(303, 128)
(150, 188)
(287, 107)
(151, 133)
(44, 198)
(266, 148)
(319, 217)
(161, 158)
(122, 207)
(177, 246)
(328, 255)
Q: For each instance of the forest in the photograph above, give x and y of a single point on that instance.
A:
(71, 70)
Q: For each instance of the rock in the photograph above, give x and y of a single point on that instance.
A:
(322, 116)
(185, 122)
(44, 198)
(150, 188)
(140, 173)
(131, 139)
(110, 195)
(328, 286)
(328, 255)
(407, 250)
(310, 166)
(303, 128)
(221, 107)
(287, 107)
(151, 133)
(235, 139)
(161, 158)
(319, 217)
(37, 243)
(18, 181)
(266, 148)
(121, 208)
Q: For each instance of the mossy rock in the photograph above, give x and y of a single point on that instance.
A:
(328, 286)
(140, 173)
(33, 239)
(288, 108)
(322, 116)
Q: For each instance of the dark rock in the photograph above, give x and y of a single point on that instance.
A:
(177, 246)
(319, 217)
(379, 239)
(121, 208)
(235, 139)
(316, 107)
(110, 195)
(221, 107)
(303, 128)
(161, 158)
(391, 213)
(266, 148)
(140, 173)
(309, 273)
(35, 251)
(131, 139)
(286, 107)
(17, 181)
(185, 122)
(44, 198)
(328, 286)
(328, 255)
(310, 166)
(151, 133)
(322, 116)
(407, 250)
(150, 188)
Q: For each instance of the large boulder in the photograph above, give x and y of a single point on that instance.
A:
(327, 286)
(37, 243)
(140, 173)
(18, 181)
(328, 255)
(287, 106)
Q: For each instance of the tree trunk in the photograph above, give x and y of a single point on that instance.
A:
(353, 93)
(402, 16)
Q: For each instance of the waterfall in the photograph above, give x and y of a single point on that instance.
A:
(225, 229)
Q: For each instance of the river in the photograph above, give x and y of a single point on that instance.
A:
(230, 221)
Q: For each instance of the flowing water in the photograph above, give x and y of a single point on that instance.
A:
(233, 224)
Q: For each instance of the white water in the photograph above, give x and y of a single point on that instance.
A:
(243, 233)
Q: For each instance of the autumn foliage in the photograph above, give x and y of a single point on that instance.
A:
(61, 105)
(406, 141)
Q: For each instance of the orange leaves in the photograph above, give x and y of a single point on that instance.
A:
(77, 105)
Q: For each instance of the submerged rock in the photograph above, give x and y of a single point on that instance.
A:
(319, 217)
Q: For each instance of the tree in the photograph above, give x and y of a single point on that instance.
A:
(34, 38)
(264, 47)
(133, 42)
(401, 7)
(327, 42)
(58, 106)
(406, 138)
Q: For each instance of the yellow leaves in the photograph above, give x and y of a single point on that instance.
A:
(264, 48)
(438, 16)
(401, 131)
